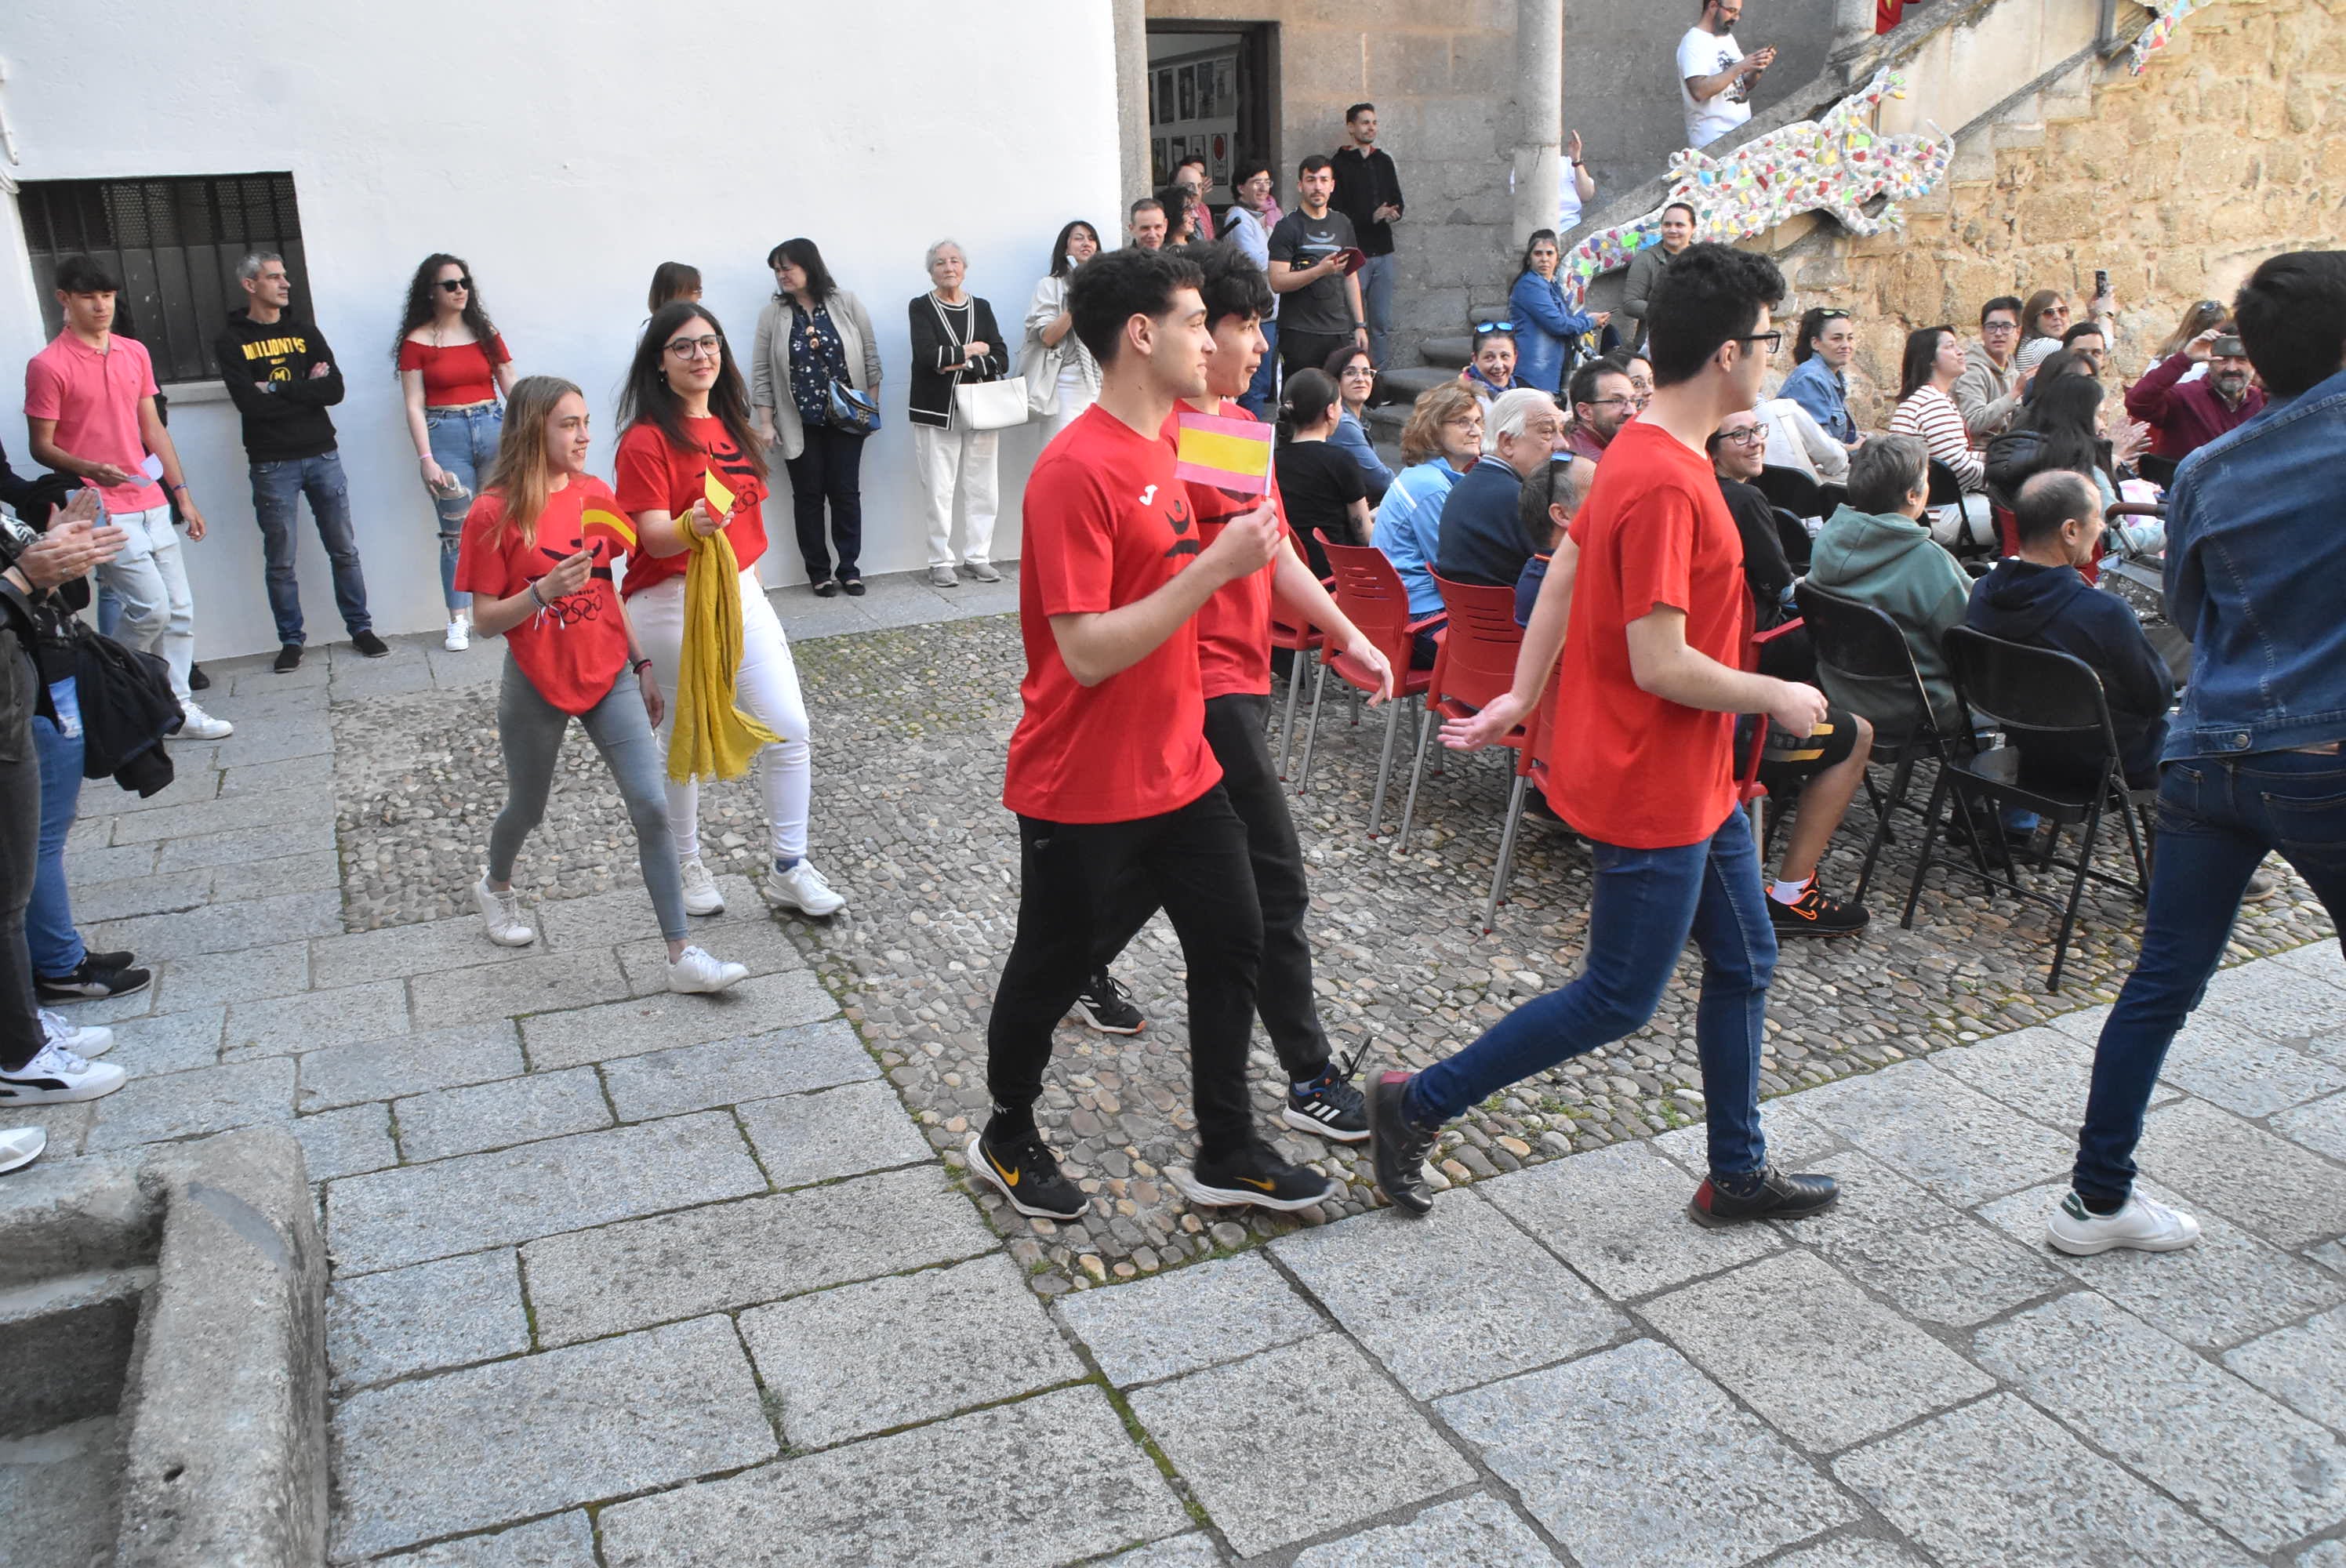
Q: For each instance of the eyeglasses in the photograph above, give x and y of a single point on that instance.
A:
(2000, 328)
(707, 348)
(1482, 328)
(454, 285)
(1369, 370)
(1747, 436)
(1627, 400)
(1773, 340)
(1465, 422)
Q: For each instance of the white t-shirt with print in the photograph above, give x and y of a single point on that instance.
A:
(1702, 54)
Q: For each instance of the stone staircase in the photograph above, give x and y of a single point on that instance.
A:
(1440, 359)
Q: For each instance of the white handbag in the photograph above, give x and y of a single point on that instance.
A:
(985, 405)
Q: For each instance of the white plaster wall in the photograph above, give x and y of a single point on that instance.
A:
(564, 151)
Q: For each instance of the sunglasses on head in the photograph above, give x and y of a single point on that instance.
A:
(1485, 328)
(454, 285)
(1832, 315)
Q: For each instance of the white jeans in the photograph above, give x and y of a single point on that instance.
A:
(964, 459)
(1074, 398)
(766, 687)
(150, 579)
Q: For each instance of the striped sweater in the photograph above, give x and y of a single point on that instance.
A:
(1933, 415)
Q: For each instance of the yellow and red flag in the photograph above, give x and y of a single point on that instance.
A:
(594, 520)
(1228, 453)
(721, 500)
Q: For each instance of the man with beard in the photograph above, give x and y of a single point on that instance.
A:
(2185, 416)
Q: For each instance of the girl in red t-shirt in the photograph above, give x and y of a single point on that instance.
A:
(687, 418)
(539, 570)
(452, 366)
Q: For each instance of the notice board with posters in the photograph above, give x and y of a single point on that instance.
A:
(1193, 112)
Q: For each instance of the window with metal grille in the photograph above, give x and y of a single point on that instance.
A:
(174, 242)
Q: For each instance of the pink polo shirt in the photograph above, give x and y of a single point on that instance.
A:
(93, 398)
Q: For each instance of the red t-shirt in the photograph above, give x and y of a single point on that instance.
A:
(572, 652)
(654, 476)
(1107, 524)
(95, 399)
(1234, 627)
(1636, 770)
(458, 374)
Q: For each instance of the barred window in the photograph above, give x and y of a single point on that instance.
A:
(174, 242)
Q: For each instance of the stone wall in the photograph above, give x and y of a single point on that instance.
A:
(2227, 151)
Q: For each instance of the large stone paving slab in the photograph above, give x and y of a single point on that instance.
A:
(188, 1105)
(625, 915)
(162, 1042)
(728, 1072)
(470, 1449)
(420, 1320)
(650, 1024)
(1851, 1552)
(735, 1255)
(59, 1496)
(2247, 1071)
(2285, 1193)
(497, 1116)
(565, 1540)
(2305, 1366)
(241, 846)
(546, 983)
(345, 1143)
(2042, 1072)
(1399, 1283)
(2229, 1287)
(1633, 1459)
(223, 928)
(1188, 1319)
(2319, 1127)
(1934, 1128)
(938, 1496)
(1997, 1485)
(2250, 998)
(413, 1064)
(1349, 1446)
(957, 1337)
(436, 1210)
(395, 952)
(1477, 1529)
(247, 975)
(1812, 1353)
(802, 1139)
(2260, 1471)
(760, 946)
(1618, 1216)
(286, 1024)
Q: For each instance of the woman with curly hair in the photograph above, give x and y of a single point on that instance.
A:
(452, 367)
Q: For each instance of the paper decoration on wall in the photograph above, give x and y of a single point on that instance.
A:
(1834, 165)
(2165, 16)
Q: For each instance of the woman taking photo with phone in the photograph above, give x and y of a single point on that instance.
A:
(452, 367)
(813, 336)
(542, 583)
(689, 469)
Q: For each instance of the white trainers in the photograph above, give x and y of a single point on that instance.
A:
(698, 970)
(802, 887)
(88, 1040)
(202, 726)
(501, 914)
(460, 634)
(701, 894)
(2143, 1225)
(20, 1146)
(58, 1077)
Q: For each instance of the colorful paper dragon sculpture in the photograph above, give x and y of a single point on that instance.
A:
(1834, 165)
(2165, 16)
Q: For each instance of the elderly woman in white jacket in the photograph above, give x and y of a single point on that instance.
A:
(811, 333)
(1062, 377)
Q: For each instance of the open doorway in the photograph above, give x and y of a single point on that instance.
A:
(1213, 92)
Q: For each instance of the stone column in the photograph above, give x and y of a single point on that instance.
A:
(1132, 90)
(1539, 102)
(1852, 24)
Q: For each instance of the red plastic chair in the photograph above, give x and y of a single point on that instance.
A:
(1370, 593)
(1534, 764)
(1302, 640)
(1476, 664)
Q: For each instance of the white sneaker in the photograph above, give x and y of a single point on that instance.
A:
(701, 894)
(460, 634)
(698, 970)
(86, 1040)
(20, 1146)
(202, 726)
(501, 914)
(802, 887)
(2143, 1225)
(58, 1077)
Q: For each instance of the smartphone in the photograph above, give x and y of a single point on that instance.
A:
(2101, 282)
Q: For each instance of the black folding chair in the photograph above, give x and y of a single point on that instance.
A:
(1946, 490)
(1860, 642)
(2031, 691)
(1792, 537)
(2159, 471)
(1793, 489)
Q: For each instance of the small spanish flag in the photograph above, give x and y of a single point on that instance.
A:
(1227, 454)
(721, 500)
(613, 527)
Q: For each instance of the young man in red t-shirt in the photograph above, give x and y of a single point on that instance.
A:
(1109, 771)
(1234, 664)
(1646, 603)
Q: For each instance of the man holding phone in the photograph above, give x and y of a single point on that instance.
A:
(90, 401)
(1314, 259)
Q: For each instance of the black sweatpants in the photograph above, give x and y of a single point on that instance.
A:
(1193, 863)
(1282, 993)
(1309, 351)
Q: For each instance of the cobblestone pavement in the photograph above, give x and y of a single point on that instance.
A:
(628, 1278)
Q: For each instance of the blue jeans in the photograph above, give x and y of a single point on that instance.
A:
(1647, 903)
(2218, 817)
(55, 946)
(1376, 304)
(464, 443)
(277, 489)
(1263, 390)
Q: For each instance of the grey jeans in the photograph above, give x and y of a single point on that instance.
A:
(531, 728)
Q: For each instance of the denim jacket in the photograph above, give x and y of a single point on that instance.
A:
(1815, 388)
(2255, 557)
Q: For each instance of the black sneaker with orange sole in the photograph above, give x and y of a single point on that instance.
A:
(1815, 914)
(1022, 1168)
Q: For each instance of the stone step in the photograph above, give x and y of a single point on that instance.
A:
(1407, 383)
(1452, 351)
(69, 1339)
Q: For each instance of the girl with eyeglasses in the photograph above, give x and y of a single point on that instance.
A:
(539, 581)
(453, 366)
(1548, 330)
(1355, 376)
(690, 440)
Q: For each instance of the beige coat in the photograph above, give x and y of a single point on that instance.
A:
(770, 361)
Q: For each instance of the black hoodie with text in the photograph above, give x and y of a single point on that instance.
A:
(274, 374)
(2054, 607)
